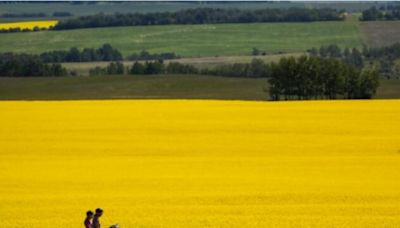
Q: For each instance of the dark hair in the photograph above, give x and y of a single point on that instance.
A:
(99, 210)
(89, 213)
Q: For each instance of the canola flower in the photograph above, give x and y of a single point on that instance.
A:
(28, 24)
(196, 163)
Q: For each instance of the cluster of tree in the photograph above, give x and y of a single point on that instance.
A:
(146, 68)
(179, 68)
(202, 16)
(373, 14)
(351, 56)
(381, 58)
(145, 55)
(320, 78)
(156, 67)
(62, 14)
(257, 52)
(306, 77)
(104, 53)
(385, 58)
(391, 52)
(256, 69)
(24, 65)
(113, 68)
(159, 67)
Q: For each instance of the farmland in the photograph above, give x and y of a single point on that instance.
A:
(148, 7)
(28, 24)
(154, 148)
(82, 68)
(381, 33)
(150, 87)
(150, 163)
(192, 40)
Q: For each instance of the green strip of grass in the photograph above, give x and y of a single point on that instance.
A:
(147, 87)
(192, 40)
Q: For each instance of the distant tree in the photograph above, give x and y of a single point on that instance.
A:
(313, 51)
(369, 82)
(137, 68)
(97, 71)
(62, 14)
(258, 69)
(145, 55)
(355, 58)
(202, 16)
(334, 51)
(25, 65)
(179, 68)
(156, 67)
(346, 52)
(104, 53)
(73, 55)
(371, 14)
(115, 68)
(255, 52)
(323, 52)
(374, 14)
(315, 77)
(108, 53)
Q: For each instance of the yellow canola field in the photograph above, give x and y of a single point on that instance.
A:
(28, 24)
(181, 163)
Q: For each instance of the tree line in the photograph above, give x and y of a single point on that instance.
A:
(145, 55)
(390, 13)
(202, 16)
(145, 68)
(256, 69)
(305, 77)
(381, 58)
(25, 65)
(104, 53)
(302, 78)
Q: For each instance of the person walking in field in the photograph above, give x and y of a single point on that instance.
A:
(96, 218)
(88, 219)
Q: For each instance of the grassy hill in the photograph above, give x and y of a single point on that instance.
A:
(192, 40)
(147, 87)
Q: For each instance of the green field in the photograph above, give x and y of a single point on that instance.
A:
(131, 7)
(192, 40)
(148, 87)
(147, 7)
(124, 87)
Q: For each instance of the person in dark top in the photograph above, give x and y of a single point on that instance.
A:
(96, 218)
(88, 219)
